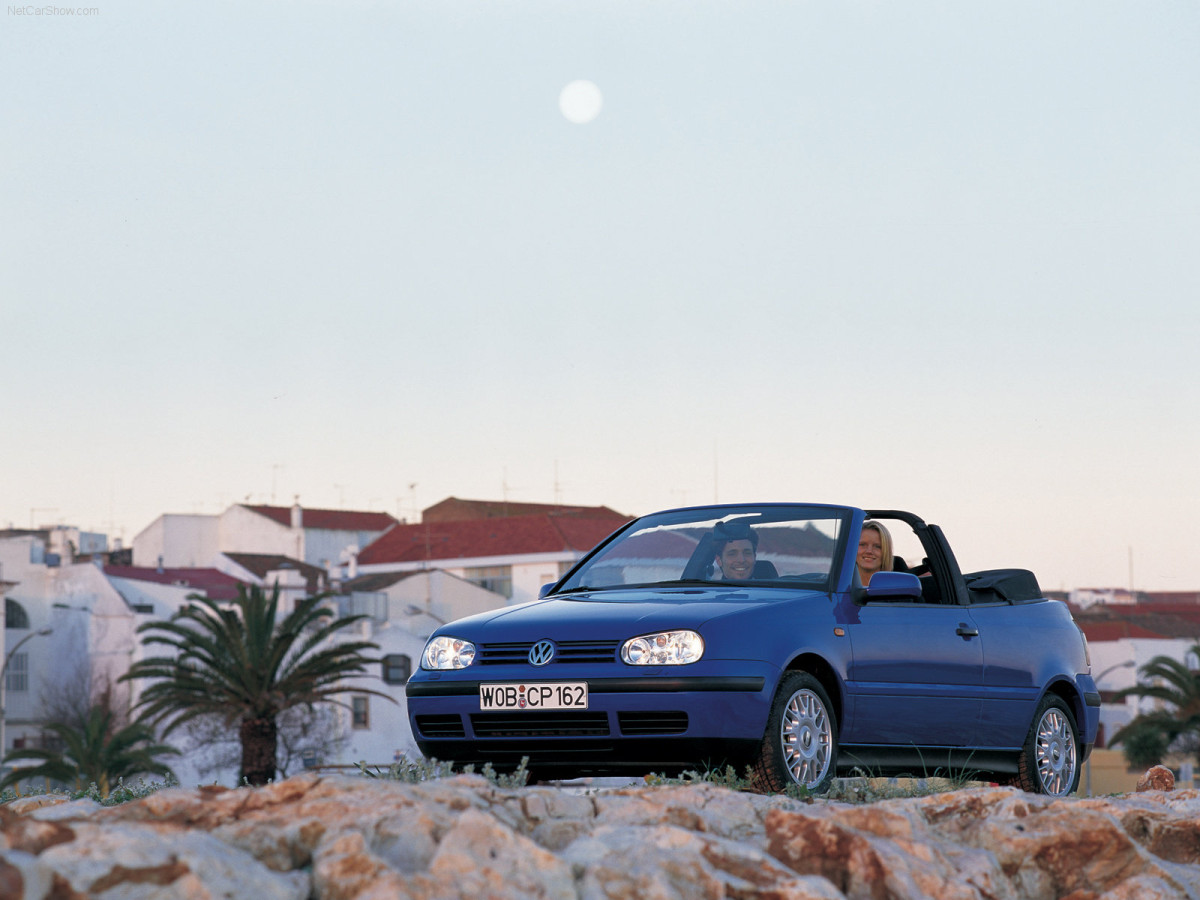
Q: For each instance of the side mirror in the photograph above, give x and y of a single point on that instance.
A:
(894, 585)
(545, 589)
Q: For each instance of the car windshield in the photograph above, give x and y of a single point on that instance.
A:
(767, 545)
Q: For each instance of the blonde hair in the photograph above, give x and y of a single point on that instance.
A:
(885, 541)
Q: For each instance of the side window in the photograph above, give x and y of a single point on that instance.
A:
(397, 668)
(14, 614)
(16, 676)
(360, 711)
(493, 578)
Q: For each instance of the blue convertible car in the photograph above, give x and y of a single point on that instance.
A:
(745, 635)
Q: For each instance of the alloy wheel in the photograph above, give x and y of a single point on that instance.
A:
(807, 738)
(1055, 753)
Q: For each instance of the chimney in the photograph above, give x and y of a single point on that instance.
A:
(297, 515)
(349, 558)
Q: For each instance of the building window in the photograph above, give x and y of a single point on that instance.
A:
(14, 614)
(16, 679)
(397, 667)
(492, 578)
(360, 712)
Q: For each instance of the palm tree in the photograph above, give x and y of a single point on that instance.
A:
(1176, 685)
(235, 660)
(96, 753)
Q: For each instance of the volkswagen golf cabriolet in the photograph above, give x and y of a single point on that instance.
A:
(744, 635)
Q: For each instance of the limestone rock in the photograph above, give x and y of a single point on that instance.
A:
(462, 838)
(1157, 778)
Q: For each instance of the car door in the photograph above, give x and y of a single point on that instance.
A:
(1020, 650)
(916, 677)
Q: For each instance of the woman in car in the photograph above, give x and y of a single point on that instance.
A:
(874, 551)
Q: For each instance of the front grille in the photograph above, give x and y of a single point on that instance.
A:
(441, 726)
(652, 722)
(564, 652)
(544, 724)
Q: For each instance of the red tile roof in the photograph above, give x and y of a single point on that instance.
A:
(455, 509)
(327, 519)
(213, 583)
(511, 536)
(1114, 631)
(1114, 621)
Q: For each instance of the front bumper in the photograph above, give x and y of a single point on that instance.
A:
(660, 722)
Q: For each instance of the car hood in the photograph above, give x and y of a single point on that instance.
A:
(597, 613)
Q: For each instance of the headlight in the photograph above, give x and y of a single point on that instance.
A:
(667, 648)
(448, 653)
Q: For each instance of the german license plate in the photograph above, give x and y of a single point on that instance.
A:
(534, 695)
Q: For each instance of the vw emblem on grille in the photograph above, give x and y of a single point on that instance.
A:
(541, 653)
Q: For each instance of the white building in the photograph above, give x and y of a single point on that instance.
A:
(513, 555)
(320, 537)
(76, 622)
(1124, 637)
(70, 631)
(403, 609)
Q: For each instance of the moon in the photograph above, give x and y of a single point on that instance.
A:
(580, 102)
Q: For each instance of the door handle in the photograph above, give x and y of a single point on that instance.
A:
(966, 630)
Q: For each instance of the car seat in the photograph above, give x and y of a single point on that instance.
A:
(764, 568)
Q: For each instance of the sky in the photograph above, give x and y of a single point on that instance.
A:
(933, 256)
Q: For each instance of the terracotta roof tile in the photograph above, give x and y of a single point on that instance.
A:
(1098, 632)
(213, 583)
(511, 536)
(455, 509)
(1139, 620)
(328, 519)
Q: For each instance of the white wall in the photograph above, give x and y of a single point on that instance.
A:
(409, 611)
(529, 571)
(20, 556)
(178, 541)
(165, 598)
(244, 531)
(92, 637)
(324, 547)
(389, 734)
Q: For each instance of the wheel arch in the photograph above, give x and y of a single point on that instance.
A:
(1065, 689)
(820, 668)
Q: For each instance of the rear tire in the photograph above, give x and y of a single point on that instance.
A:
(800, 745)
(1049, 762)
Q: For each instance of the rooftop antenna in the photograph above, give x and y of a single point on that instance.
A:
(505, 488)
(557, 486)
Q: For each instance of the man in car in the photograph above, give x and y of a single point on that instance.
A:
(736, 547)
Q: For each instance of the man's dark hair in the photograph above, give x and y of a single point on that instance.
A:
(724, 532)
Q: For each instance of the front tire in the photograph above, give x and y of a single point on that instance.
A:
(1049, 762)
(800, 745)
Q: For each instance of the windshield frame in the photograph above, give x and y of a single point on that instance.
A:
(760, 513)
